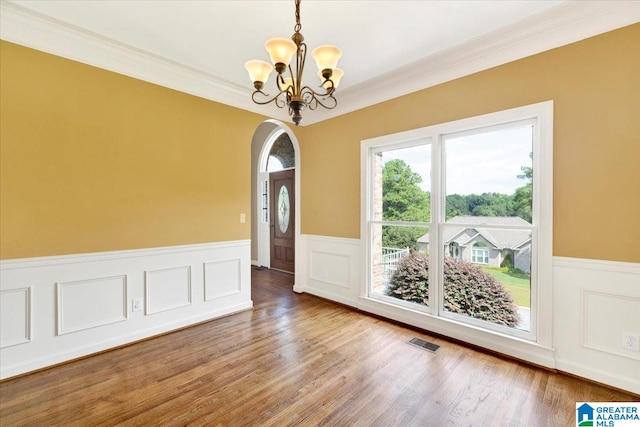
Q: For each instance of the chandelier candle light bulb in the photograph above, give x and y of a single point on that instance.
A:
(291, 92)
(258, 72)
(327, 59)
(336, 76)
(280, 51)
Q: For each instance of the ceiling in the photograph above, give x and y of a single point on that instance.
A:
(390, 48)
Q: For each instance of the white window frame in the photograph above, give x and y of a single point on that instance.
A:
(484, 254)
(389, 299)
(538, 341)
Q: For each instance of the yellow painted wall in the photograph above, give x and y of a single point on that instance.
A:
(95, 161)
(595, 86)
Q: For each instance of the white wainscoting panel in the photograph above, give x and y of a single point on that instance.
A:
(87, 304)
(56, 309)
(594, 303)
(604, 313)
(330, 268)
(15, 317)
(222, 279)
(167, 289)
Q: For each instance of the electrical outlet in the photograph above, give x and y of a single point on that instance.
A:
(136, 304)
(243, 218)
(630, 341)
(325, 273)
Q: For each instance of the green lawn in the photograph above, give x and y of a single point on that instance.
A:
(516, 281)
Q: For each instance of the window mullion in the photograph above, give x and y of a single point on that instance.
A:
(437, 217)
(402, 223)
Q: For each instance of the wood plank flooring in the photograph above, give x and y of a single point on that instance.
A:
(295, 360)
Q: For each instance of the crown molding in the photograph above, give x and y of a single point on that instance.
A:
(566, 23)
(34, 30)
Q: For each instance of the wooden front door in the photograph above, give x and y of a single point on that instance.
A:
(282, 219)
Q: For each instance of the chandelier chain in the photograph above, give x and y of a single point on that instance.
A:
(298, 27)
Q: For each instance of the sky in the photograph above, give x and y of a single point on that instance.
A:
(481, 163)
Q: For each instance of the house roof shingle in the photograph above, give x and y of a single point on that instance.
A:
(499, 238)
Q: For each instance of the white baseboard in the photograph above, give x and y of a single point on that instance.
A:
(56, 309)
(603, 376)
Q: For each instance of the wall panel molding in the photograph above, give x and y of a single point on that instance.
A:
(597, 265)
(603, 311)
(128, 254)
(85, 304)
(319, 270)
(15, 317)
(594, 302)
(222, 278)
(81, 304)
(167, 289)
(330, 268)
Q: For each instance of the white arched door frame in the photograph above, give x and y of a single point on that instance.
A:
(264, 254)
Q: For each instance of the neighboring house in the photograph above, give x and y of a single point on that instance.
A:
(487, 246)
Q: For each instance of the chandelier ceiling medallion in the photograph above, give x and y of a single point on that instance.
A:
(291, 91)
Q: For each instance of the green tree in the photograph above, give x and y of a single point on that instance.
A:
(523, 196)
(457, 205)
(403, 200)
(401, 237)
(490, 204)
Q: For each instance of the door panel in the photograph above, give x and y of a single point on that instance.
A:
(282, 220)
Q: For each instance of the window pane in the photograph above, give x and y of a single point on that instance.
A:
(489, 176)
(402, 184)
(282, 154)
(283, 209)
(400, 262)
(487, 274)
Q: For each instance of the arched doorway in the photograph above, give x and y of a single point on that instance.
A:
(274, 147)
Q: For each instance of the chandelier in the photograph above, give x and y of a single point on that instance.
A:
(291, 91)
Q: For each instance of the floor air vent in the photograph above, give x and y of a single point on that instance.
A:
(424, 344)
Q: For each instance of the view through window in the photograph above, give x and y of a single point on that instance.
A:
(452, 224)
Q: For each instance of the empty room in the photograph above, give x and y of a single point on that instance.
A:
(371, 213)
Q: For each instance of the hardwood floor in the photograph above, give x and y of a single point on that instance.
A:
(295, 360)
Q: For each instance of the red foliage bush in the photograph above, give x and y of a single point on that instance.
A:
(468, 289)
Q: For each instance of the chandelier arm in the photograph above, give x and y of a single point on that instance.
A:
(302, 53)
(331, 89)
(280, 83)
(315, 98)
(310, 99)
(327, 91)
(291, 90)
(333, 102)
(276, 99)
